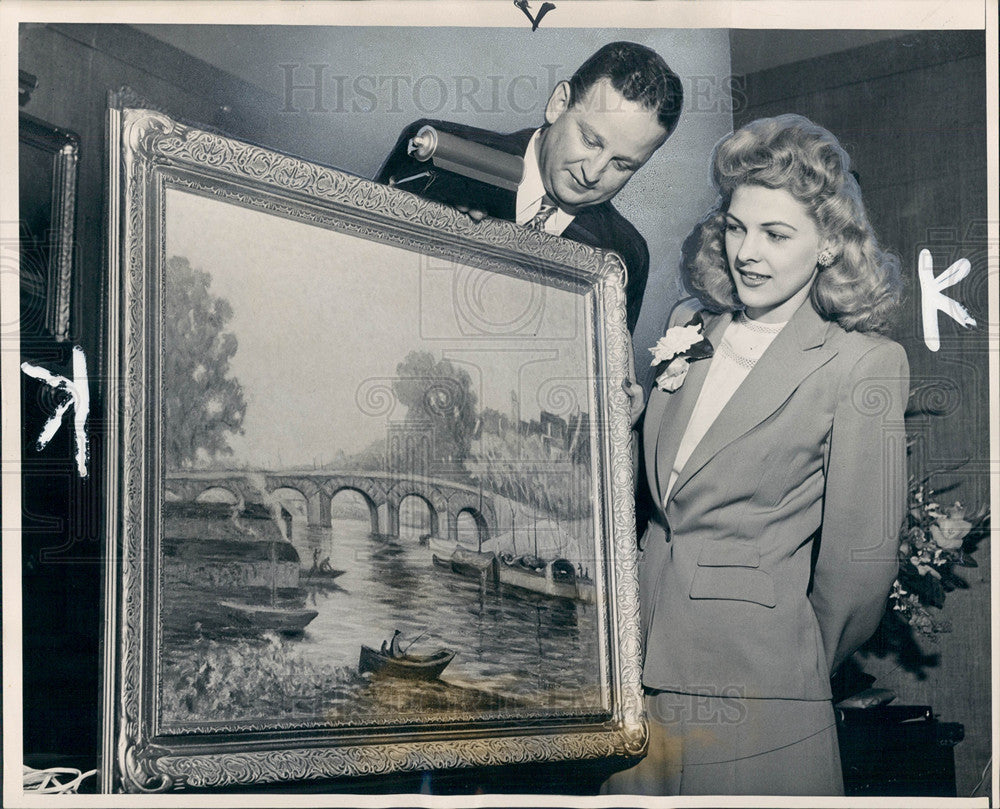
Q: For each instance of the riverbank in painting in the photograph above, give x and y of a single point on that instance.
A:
(270, 679)
(517, 653)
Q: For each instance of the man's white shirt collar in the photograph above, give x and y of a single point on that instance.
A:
(531, 190)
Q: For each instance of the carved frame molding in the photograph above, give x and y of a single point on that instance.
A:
(150, 152)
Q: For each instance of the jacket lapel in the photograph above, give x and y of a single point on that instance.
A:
(671, 413)
(796, 352)
(585, 228)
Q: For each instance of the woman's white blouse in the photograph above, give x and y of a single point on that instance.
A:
(743, 343)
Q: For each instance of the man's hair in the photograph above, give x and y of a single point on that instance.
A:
(639, 74)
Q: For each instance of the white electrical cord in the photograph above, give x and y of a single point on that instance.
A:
(986, 770)
(49, 781)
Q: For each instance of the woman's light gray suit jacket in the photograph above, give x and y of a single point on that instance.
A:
(773, 557)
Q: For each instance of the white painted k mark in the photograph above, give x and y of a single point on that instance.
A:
(77, 394)
(933, 301)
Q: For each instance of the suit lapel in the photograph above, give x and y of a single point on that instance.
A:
(672, 411)
(514, 143)
(796, 353)
(584, 229)
(507, 203)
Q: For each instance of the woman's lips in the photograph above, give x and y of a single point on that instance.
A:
(752, 279)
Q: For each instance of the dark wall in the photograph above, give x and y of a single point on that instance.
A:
(911, 112)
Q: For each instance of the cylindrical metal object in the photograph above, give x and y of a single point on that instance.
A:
(469, 159)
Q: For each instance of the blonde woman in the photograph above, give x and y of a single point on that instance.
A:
(775, 455)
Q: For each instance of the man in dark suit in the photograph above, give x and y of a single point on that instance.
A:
(601, 127)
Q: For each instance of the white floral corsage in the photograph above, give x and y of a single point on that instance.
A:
(677, 349)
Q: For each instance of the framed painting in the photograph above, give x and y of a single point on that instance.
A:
(371, 478)
(47, 165)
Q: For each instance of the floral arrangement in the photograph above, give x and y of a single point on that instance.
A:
(675, 351)
(935, 540)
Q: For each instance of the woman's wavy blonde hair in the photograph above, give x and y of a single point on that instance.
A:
(862, 289)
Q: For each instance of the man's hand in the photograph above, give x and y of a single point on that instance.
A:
(473, 213)
(637, 401)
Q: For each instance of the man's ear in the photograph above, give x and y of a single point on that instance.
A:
(559, 102)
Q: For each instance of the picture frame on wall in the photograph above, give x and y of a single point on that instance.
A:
(47, 163)
(370, 484)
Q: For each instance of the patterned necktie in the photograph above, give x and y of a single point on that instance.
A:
(537, 222)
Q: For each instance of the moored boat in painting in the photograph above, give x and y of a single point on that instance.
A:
(413, 667)
(469, 563)
(265, 617)
(473, 563)
(556, 578)
(526, 572)
(216, 553)
(561, 578)
(288, 620)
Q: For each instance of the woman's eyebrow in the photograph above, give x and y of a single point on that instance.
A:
(778, 223)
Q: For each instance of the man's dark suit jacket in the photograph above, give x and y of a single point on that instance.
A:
(598, 225)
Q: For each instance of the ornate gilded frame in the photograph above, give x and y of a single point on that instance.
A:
(151, 153)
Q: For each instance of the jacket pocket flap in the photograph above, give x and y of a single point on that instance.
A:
(734, 584)
(726, 553)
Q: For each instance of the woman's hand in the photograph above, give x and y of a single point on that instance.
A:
(637, 401)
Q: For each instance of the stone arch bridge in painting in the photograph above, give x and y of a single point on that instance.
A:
(445, 499)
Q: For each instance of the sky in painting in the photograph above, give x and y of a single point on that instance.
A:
(323, 318)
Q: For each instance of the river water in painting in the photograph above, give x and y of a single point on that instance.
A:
(518, 653)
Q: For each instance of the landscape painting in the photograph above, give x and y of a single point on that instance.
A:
(388, 486)
(338, 469)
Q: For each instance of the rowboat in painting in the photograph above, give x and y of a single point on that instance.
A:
(412, 667)
(272, 617)
(321, 578)
(265, 617)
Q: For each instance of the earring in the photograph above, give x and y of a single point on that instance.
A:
(825, 257)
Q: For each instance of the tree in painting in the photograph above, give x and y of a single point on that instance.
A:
(437, 393)
(531, 470)
(203, 404)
